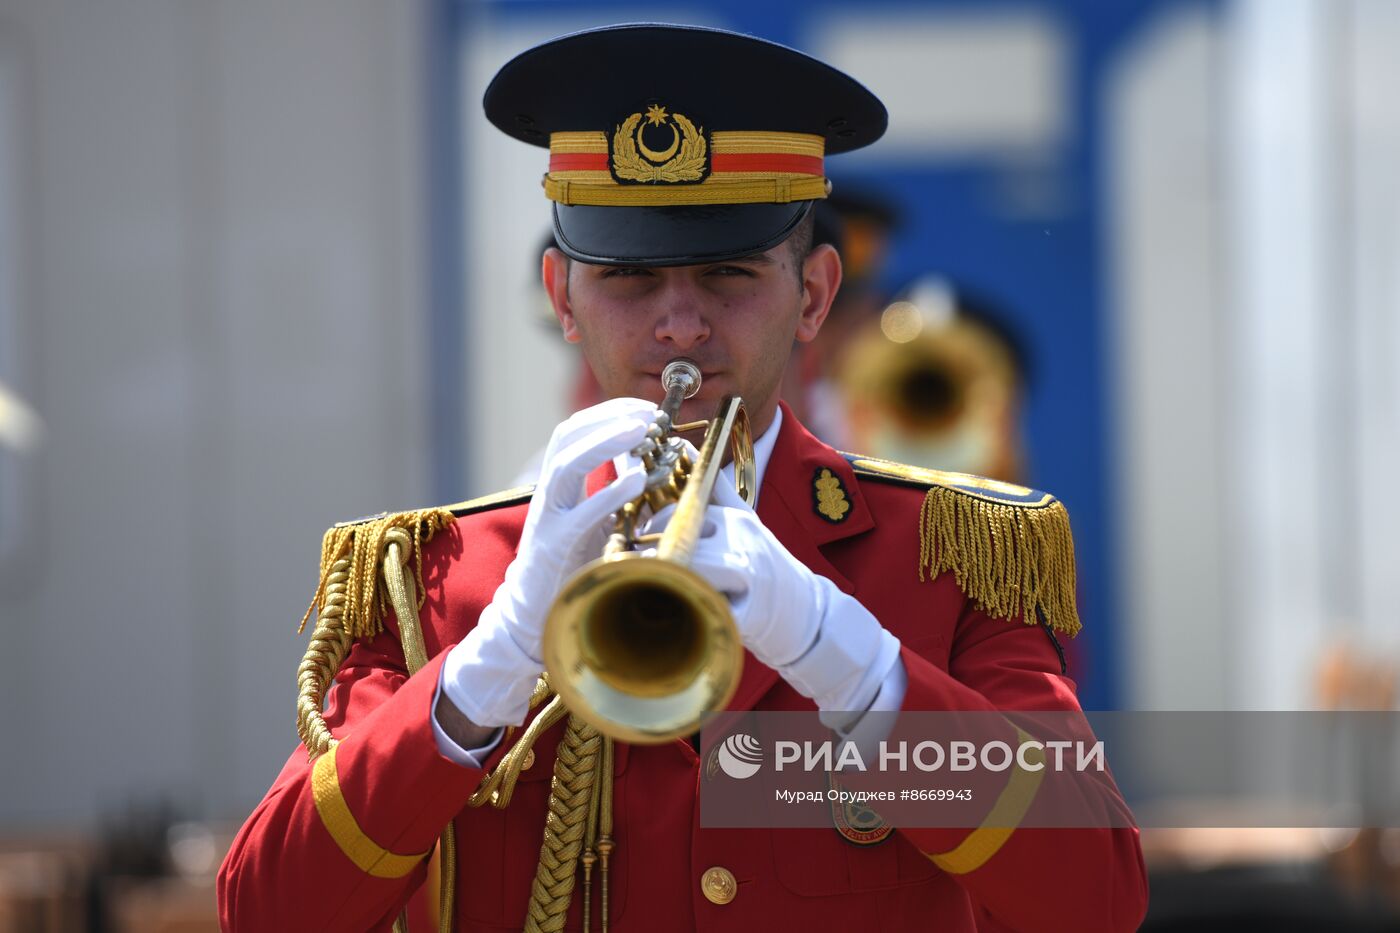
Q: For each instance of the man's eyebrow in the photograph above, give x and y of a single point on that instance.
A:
(752, 257)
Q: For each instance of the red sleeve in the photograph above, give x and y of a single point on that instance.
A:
(1030, 879)
(342, 843)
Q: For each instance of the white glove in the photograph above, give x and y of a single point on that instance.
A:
(823, 642)
(489, 675)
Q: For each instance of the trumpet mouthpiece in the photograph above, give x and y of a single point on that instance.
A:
(681, 374)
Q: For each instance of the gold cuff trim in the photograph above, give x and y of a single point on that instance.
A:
(1006, 814)
(774, 190)
(368, 856)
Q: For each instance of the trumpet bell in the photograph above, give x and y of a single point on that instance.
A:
(642, 648)
(942, 395)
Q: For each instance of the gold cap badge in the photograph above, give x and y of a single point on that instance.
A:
(685, 158)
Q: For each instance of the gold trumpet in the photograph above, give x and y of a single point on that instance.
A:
(637, 644)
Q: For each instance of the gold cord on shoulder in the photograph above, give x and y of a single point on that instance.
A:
(330, 643)
(399, 547)
(350, 604)
(363, 543)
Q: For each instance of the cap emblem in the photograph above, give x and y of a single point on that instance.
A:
(685, 159)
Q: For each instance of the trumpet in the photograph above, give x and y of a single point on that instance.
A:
(637, 644)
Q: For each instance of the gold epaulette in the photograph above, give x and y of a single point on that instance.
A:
(1009, 547)
(362, 542)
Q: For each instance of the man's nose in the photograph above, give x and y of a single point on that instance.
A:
(681, 323)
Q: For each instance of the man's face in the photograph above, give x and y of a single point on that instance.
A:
(736, 319)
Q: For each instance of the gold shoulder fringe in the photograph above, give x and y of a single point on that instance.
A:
(363, 544)
(1010, 548)
(363, 540)
(1014, 562)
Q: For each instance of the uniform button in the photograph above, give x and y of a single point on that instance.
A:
(719, 885)
(529, 761)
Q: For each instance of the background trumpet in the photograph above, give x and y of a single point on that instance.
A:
(934, 383)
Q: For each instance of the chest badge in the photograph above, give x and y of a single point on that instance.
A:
(829, 496)
(857, 823)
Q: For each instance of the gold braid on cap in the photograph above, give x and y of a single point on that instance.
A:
(724, 167)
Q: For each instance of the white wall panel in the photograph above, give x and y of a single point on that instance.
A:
(1283, 299)
(227, 246)
(1169, 362)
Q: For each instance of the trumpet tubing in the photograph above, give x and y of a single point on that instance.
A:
(637, 644)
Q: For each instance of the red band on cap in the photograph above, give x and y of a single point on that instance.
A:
(766, 162)
(578, 161)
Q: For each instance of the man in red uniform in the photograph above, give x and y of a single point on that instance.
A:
(684, 164)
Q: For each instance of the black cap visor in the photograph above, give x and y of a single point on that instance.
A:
(673, 236)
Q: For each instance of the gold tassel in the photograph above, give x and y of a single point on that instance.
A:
(1014, 561)
(363, 543)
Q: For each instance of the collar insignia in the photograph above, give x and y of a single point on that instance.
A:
(829, 496)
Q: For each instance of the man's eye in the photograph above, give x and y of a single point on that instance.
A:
(731, 270)
(614, 272)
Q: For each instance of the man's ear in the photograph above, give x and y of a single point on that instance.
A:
(554, 272)
(821, 277)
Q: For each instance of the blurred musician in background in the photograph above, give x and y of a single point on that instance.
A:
(937, 379)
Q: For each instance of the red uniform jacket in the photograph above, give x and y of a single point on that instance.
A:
(348, 854)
